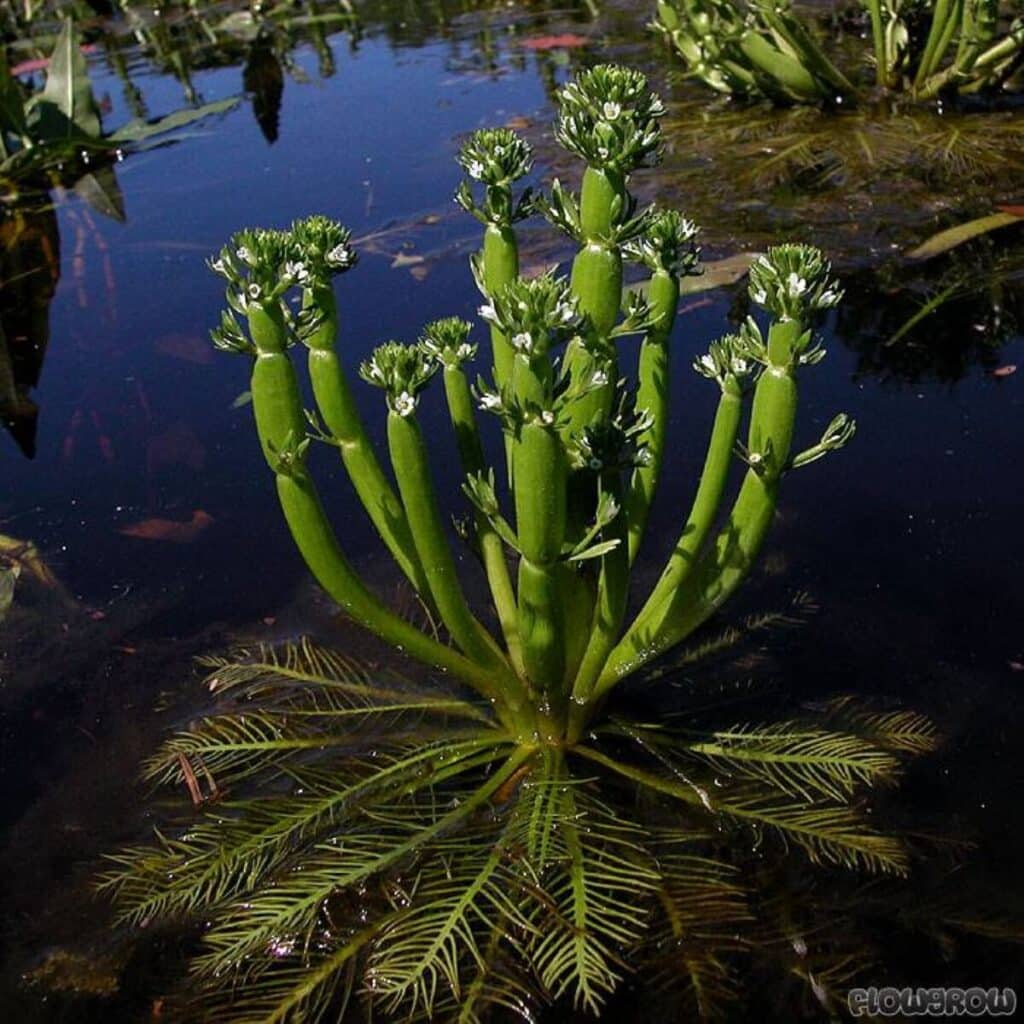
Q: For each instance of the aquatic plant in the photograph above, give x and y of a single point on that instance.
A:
(56, 135)
(763, 49)
(500, 835)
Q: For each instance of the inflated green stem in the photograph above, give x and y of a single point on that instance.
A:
(609, 609)
(596, 281)
(721, 569)
(945, 17)
(704, 512)
(279, 423)
(411, 465)
(540, 472)
(341, 417)
(500, 266)
(652, 394)
(460, 407)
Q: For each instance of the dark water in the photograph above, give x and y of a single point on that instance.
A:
(910, 541)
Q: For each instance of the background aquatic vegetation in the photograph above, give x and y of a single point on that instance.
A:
(918, 51)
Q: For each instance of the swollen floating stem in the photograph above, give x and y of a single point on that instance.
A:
(279, 423)
(447, 340)
(540, 473)
(791, 282)
(706, 505)
(341, 417)
(412, 471)
(668, 249)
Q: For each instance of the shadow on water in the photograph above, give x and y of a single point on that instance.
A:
(912, 544)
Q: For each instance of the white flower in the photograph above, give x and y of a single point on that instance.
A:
(464, 351)
(404, 404)
(547, 417)
(795, 285)
(490, 401)
(489, 313)
(244, 254)
(475, 169)
(739, 366)
(708, 362)
(217, 266)
(599, 379)
(755, 458)
(611, 110)
(760, 296)
(375, 370)
(297, 272)
(339, 256)
(829, 297)
(522, 342)
(254, 291)
(565, 311)
(602, 152)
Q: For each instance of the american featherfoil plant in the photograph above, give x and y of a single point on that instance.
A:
(920, 50)
(496, 836)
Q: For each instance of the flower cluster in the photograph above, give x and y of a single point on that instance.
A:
(609, 117)
(258, 265)
(448, 342)
(402, 371)
(320, 249)
(534, 314)
(496, 156)
(793, 281)
(728, 357)
(611, 444)
(668, 243)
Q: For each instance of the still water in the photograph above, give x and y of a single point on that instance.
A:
(149, 500)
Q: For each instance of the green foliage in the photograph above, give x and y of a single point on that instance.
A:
(439, 852)
(762, 49)
(387, 844)
(56, 132)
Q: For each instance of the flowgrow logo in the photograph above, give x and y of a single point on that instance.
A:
(932, 1002)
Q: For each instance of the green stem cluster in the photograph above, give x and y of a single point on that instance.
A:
(584, 447)
(764, 50)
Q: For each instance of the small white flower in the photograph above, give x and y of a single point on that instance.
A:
(375, 370)
(760, 296)
(475, 169)
(547, 417)
(522, 342)
(708, 362)
(243, 254)
(464, 351)
(755, 458)
(599, 379)
(795, 285)
(829, 297)
(489, 401)
(217, 266)
(405, 404)
(254, 291)
(739, 366)
(339, 256)
(602, 152)
(611, 110)
(566, 312)
(489, 313)
(297, 272)
(763, 261)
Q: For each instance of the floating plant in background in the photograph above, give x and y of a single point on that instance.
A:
(56, 136)
(503, 833)
(920, 51)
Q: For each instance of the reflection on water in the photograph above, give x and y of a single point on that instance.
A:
(147, 498)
